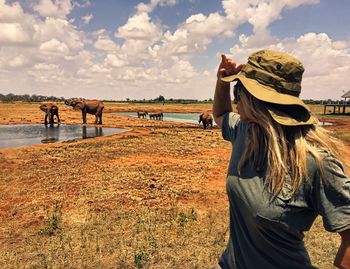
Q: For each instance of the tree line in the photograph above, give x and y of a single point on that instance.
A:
(29, 98)
(42, 98)
(160, 99)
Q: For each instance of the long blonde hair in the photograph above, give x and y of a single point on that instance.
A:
(282, 150)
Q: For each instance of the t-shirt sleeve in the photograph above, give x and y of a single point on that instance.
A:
(332, 196)
(230, 126)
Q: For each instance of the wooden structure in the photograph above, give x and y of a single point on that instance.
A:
(340, 106)
(346, 95)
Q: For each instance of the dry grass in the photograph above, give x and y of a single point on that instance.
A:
(153, 197)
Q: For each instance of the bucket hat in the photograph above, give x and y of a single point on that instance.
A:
(275, 78)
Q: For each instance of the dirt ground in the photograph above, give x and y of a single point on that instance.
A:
(58, 197)
(150, 132)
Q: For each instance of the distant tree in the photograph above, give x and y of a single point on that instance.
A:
(26, 97)
(160, 98)
(10, 97)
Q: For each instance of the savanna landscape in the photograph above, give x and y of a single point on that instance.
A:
(151, 197)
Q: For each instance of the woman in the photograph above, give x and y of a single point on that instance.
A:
(284, 170)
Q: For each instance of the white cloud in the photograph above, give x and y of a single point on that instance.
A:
(320, 56)
(54, 8)
(146, 60)
(47, 73)
(139, 27)
(105, 43)
(62, 30)
(16, 27)
(259, 11)
(114, 61)
(82, 4)
(153, 4)
(100, 32)
(13, 34)
(97, 68)
(140, 34)
(339, 45)
(194, 35)
(182, 70)
(10, 13)
(87, 18)
(54, 46)
(47, 67)
(18, 61)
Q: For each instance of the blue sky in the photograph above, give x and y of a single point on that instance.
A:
(118, 49)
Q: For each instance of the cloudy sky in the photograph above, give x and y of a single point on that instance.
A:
(118, 49)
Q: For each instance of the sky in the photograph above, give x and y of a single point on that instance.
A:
(119, 49)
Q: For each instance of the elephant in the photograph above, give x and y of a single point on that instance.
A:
(94, 107)
(207, 120)
(156, 116)
(50, 110)
(142, 114)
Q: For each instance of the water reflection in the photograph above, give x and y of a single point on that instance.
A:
(89, 133)
(30, 134)
(325, 123)
(52, 134)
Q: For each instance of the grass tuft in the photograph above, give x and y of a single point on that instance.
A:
(54, 221)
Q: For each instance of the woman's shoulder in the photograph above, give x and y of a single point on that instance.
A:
(328, 166)
(324, 157)
(233, 126)
(328, 159)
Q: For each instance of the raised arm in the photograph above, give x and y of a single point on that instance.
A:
(222, 98)
(342, 259)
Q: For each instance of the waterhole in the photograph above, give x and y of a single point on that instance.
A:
(176, 117)
(30, 134)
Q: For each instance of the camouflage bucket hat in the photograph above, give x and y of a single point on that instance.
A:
(275, 78)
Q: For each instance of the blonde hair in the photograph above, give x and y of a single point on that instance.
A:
(282, 150)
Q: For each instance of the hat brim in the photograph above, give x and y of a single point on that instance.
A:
(270, 95)
(298, 117)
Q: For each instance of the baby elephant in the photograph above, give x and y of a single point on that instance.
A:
(50, 110)
(207, 120)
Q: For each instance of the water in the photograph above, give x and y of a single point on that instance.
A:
(325, 123)
(30, 134)
(194, 117)
(176, 117)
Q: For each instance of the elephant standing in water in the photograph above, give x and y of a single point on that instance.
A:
(50, 110)
(142, 114)
(94, 107)
(207, 120)
(156, 116)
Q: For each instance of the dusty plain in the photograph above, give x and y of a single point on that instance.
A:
(152, 197)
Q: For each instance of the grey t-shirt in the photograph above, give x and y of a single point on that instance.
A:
(268, 233)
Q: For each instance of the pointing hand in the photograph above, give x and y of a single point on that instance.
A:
(228, 67)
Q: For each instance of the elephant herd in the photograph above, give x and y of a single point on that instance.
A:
(205, 118)
(94, 107)
(152, 116)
